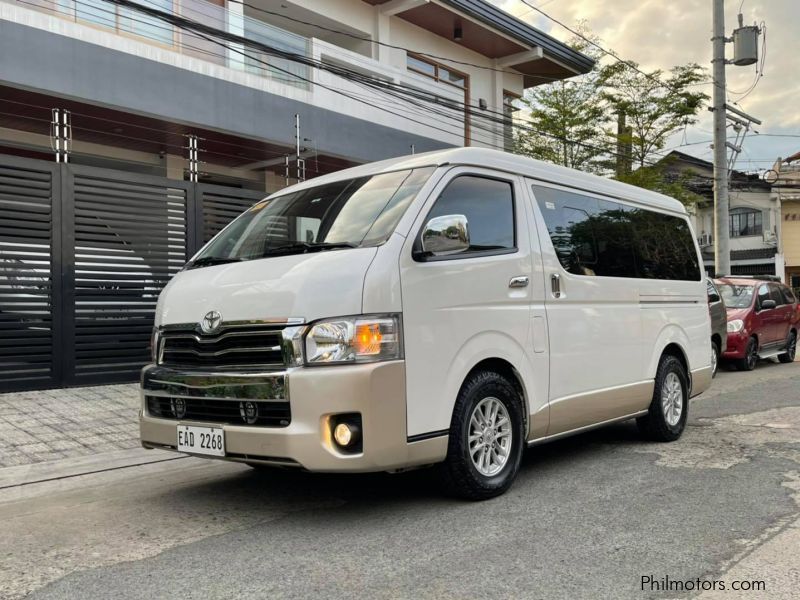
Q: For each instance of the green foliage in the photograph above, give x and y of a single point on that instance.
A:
(655, 107)
(653, 178)
(570, 115)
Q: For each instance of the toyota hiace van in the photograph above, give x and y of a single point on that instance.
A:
(449, 308)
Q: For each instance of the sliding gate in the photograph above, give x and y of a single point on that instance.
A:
(84, 253)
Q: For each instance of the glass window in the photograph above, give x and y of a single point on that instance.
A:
(788, 296)
(357, 212)
(745, 221)
(763, 293)
(510, 106)
(736, 296)
(423, 66)
(488, 205)
(97, 12)
(146, 26)
(451, 77)
(611, 239)
(713, 293)
(776, 294)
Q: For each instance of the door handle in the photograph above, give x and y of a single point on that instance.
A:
(520, 281)
(555, 285)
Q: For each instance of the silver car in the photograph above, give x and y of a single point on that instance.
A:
(719, 325)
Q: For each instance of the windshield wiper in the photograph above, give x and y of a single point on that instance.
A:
(303, 247)
(207, 261)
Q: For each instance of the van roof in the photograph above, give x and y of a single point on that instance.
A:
(511, 163)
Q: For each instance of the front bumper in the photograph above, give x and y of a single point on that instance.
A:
(376, 391)
(736, 345)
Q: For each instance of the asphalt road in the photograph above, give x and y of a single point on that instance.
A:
(588, 517)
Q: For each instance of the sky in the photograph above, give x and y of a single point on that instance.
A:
(659, 34)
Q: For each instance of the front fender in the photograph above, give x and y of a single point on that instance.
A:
(494, 345)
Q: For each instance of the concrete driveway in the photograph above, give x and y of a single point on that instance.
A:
(589, 517)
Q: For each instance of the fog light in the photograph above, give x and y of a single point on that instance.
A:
(343, 434)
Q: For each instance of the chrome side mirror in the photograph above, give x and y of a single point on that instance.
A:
(448, 234)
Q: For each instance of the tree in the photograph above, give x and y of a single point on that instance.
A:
(654, 106)
(565, 123)
(653, 178)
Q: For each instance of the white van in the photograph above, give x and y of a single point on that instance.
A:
(452, 307)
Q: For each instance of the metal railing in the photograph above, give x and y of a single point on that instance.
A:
(131, 23)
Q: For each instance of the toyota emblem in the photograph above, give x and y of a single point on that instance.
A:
(211, 322)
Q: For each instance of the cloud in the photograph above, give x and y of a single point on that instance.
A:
(660, 34)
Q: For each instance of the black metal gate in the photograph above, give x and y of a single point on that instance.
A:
(84, 253)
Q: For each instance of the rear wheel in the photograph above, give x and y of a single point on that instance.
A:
(748, 363)
(791, 349)
(666, 418)
(486, 438)
(714, 358)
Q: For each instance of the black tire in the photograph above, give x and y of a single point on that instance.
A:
(655, 424)
(791, 349)
(459, 475)
(750, 360)
(715, 358)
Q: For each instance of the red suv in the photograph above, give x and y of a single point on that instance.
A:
(763, 320)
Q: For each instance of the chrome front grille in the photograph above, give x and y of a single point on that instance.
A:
(235, 345)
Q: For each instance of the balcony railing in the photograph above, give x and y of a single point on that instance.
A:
(131, 23)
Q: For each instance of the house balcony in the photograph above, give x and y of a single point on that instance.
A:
(124, 30)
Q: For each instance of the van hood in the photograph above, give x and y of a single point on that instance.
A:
(309, 286)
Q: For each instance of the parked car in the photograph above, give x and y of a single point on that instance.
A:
(451, 307)
(763, 318)
(719, 325)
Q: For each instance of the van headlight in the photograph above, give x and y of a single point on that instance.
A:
(735, 326)
(364, 338)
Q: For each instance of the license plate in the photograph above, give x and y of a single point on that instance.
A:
(201, 440)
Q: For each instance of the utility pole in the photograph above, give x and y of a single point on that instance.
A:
(722, 253)
(745, 52)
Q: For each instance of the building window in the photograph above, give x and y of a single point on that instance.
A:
(745, 221)
(446, 75)
(510, 106)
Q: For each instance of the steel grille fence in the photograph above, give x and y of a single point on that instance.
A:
(26, 281)
(222, 205)
(84, 253)
(130, 239)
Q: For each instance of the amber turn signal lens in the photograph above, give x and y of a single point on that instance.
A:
(368, 339)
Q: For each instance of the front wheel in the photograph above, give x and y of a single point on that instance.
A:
(486, 438)
(714, 359)
(748, 363)
(791, 349)
(666, 418)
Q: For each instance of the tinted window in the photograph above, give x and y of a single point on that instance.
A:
(787, 295)
(776, 294)
(713, 294)
(488, 205)
(611, 239)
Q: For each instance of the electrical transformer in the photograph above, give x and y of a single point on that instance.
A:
(745, 45)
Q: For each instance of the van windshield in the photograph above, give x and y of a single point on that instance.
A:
(736, 296)
(352, 213)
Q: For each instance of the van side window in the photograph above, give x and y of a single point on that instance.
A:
(625, 241)
(488, 205)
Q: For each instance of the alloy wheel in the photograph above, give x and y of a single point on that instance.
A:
(672, 399)
(490, 436)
